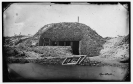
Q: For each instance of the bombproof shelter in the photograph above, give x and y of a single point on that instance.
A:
(82, 39)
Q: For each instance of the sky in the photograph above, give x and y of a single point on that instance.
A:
(28, 18)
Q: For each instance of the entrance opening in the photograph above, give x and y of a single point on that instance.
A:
(75, 47)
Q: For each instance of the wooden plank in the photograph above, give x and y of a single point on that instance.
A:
(72, 61)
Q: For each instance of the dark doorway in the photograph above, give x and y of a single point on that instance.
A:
(75, 47)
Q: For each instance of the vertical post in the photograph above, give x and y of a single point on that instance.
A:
(55, 44)
(78, 19)
(64, 43)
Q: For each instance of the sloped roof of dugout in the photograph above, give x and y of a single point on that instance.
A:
(65, 31)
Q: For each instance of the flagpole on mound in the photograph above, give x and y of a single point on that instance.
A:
(78, 19)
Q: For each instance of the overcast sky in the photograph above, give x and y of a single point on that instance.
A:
(106, 20)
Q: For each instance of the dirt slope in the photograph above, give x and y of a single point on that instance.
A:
(115, 49)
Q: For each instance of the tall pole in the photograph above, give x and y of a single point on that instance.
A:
(78, 19)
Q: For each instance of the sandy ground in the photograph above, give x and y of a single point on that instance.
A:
(114, 51)
(40, 71)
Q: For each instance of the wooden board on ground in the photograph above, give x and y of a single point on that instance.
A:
(73, 60)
